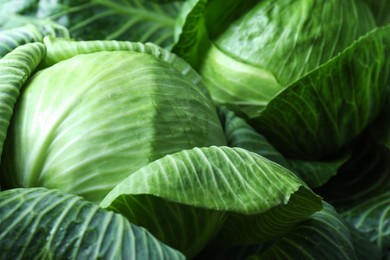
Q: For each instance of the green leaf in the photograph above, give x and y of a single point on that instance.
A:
(239, 133)
(15, 68)
(12, 38)
(317, 173)
(195, 190)
(130, 20)
(324, 235)
(380, 129)
(381, 10)
(325, 110)
(248, 52)
(86, 123)
(38, 223)
(360, 191)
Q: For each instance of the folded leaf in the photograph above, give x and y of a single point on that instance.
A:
(322, 235)
(37, 223)
(15, 68)
(329, 107)
(189, 194)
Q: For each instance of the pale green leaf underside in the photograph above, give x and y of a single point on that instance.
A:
(15, 68)
(38, 223)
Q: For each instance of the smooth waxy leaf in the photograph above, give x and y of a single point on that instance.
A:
(15, 68)
(86, 123)
(37, 223)
(131, 20)
(325, 110)
(195, 190)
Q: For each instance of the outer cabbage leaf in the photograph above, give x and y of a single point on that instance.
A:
(325, 110)
(317, 173)
(132, 20)
(323, 235)
(15, 68)
(12, 38)
(240, 134)
(247, 53)
(86, 123)
(37, 223)
(184, 199)
(360, 191)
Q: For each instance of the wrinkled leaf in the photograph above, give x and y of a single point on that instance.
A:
(131, 20)
(325, 110)
(194, 190)
(15, 69)
(37, 223)
(86, 123)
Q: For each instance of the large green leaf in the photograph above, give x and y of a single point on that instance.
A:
(325, 110)
(247, 53)
(86, 123)
(132, 20)
(195, 192)
(37, 223)
(324, 235)
(360, 191)
(15, 68)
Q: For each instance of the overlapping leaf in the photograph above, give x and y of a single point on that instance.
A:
(37, 223)
(193, 188)
(322, 235)
(360, 191)
(325, 110)
(15, 69)
(132, 20)
(86, 123)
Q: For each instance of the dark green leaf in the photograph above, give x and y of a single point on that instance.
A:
(37, 223)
